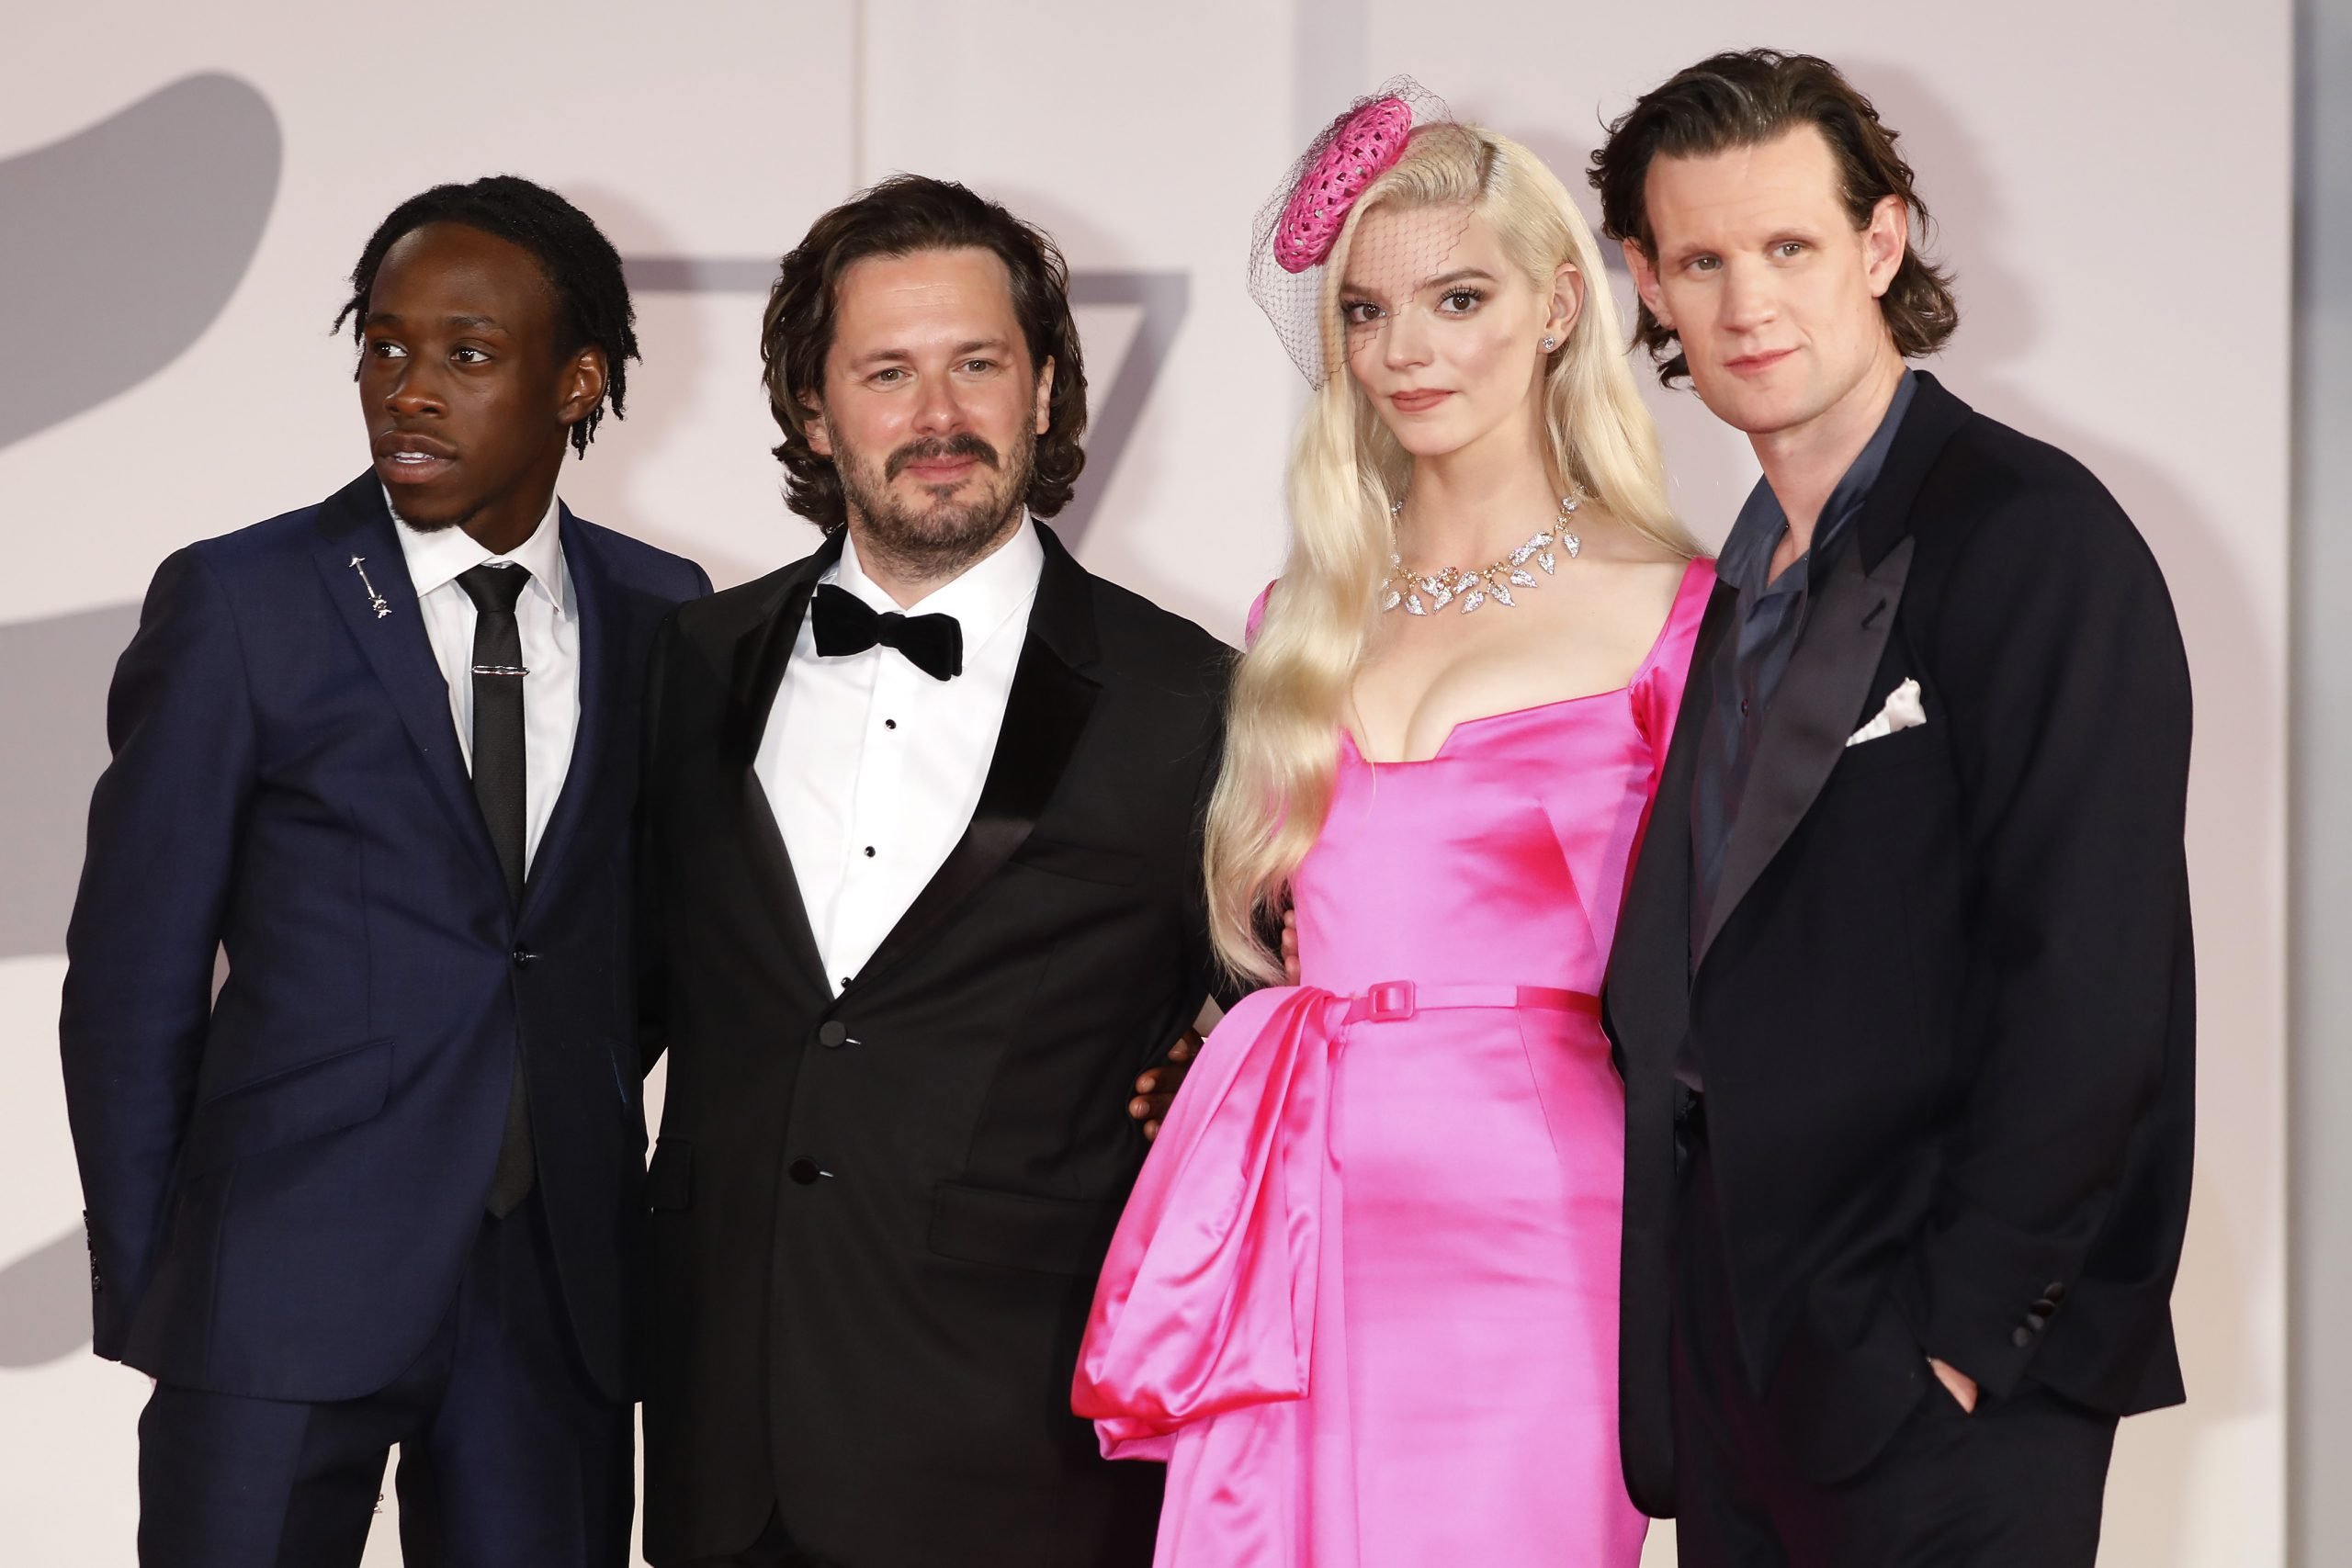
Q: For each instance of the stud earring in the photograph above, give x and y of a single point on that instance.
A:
(1549, 343)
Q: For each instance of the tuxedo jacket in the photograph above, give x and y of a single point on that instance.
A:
(284, 1181)
(877, 1218)
(1943, 1009)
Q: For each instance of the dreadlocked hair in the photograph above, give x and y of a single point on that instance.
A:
(579, 262)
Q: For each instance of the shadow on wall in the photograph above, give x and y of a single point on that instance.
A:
(144, 224)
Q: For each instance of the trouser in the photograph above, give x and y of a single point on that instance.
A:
(510, 1457)
(2017, 1484)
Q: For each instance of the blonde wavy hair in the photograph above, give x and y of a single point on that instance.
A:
(1291, 688)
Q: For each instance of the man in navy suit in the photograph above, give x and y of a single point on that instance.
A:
(374, 769)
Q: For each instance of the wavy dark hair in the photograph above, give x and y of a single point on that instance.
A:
(1743, 99)
(905, 215)
(592, 293)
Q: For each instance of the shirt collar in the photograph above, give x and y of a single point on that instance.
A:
(1747, 559)
(982, 598)
(439, 556)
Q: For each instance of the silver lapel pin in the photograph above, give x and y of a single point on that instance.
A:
(374, 599)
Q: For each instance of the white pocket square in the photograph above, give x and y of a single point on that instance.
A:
(1901, 711)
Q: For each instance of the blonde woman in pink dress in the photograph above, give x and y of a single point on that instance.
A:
(1364, 1300)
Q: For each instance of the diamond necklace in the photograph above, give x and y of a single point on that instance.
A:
(1446, 584)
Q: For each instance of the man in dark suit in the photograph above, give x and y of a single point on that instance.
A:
(1902, 992)
(924, 893)
(379, 754)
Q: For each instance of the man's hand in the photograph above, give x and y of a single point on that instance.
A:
(1961, 1387)
(1290, 945)
(1155, 1090)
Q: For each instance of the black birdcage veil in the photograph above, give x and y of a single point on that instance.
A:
(1292, 240)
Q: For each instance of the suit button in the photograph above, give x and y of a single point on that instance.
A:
(2055, 1291)
(803, 1170)
(832, 1032)
(523, 960)
(2020, 1337)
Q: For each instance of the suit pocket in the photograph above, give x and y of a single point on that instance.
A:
(1913, 745)
(1084, 861)
(1018, 1230)
(308, 1102)
(670, 1179)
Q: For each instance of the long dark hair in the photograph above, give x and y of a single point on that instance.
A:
(903, 216)
(1755, 95)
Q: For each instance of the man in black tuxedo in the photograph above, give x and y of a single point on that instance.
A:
(378, 754)
(923, 895)
(1902, 992)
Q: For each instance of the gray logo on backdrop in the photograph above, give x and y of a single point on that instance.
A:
(124, 243)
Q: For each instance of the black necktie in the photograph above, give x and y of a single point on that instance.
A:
(846, 624)
(499, 785)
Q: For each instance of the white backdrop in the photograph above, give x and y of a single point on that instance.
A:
(2114, 192)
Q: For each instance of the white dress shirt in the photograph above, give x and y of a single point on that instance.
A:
(872, 767)
(547, 615)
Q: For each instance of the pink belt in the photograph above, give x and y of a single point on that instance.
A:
(1394, 1000)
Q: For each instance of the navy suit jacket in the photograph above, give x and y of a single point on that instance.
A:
(285, 1170)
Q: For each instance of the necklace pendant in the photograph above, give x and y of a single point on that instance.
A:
(1419, 593)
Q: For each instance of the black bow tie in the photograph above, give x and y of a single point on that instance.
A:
(846, 624)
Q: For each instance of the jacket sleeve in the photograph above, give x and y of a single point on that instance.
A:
(156, 880)
(652, 987)
(2061, 664)
(652, 972)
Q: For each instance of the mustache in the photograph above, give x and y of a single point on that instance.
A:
(965, 446)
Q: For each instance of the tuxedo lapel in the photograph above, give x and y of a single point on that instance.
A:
(760, 658)
(598, 601)
(1045, 715)
(1827, 681)
(1828, 678)
(354, 536)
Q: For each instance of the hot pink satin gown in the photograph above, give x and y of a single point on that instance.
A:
(1364, 1300)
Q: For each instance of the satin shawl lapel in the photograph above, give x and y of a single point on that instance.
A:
(354, 525)
(1829, 680)
(1649, 968)
(1044, 717)
(1821, 695)
(599, 601)
(760, 658)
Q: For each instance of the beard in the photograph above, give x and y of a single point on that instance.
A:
(935, 540)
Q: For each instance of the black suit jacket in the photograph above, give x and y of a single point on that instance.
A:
(877, 1218)
(1945, 1010)
(284, 1182)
